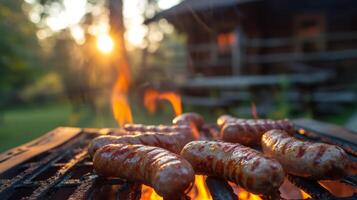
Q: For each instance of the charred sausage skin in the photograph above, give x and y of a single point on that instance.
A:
(173, 141)
(306, 159)
(249, 131)
(242, 165)
(166, 172)
(189, 119)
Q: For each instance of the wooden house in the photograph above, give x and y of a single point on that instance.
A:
(241, 43)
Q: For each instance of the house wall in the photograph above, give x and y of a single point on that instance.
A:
(270, 19)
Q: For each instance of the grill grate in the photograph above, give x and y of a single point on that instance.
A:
(66, 173)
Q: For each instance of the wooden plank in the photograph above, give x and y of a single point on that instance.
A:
(246, 81)
(327, 129)
(303, 57)
(44, 143)
(288, 41)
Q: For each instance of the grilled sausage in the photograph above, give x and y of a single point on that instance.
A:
(237, 163)
(306, 159)
(168, 173)
(223, 119)
(173, 142)
(249, 132)
(189, 119)
(155, 128)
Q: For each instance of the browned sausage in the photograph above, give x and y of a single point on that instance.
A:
(306, 159)
(249, 132)
(223, 119)
(173, 142)
(168, 173)
(189, 119)
(237, 163)
(155, 128)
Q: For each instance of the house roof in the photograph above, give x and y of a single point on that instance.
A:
(196, 5)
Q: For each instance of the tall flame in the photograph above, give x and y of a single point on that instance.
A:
(200, 190)
(152, 96)
(119, 98)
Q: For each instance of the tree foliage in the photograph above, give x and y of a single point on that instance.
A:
(20, 52)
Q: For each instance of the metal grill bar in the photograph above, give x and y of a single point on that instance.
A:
(71, 168)
(220, 189)
(34, 169)
(46, 186)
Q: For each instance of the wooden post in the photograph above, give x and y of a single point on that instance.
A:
(238, 51)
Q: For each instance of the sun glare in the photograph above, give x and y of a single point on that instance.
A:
(105, 43)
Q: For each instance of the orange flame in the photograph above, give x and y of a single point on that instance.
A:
(302, 131)
(195, 132)
(242, 193)
(147, 193)
(304, 195)
(200, 190)
(119, 98)
(254, 111)
(151, 97)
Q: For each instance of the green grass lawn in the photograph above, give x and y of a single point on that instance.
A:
(22, 124)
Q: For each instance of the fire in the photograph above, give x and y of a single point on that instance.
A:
(151, 97)
(302, 131)
(195, 132)
(242, 193)
(147, 193)
(200, 190)
(119, 99)
(304, 195)
(254, 111)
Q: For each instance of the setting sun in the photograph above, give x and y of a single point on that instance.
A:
(105, 43)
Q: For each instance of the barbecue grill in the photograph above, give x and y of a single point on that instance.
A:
(57, 166)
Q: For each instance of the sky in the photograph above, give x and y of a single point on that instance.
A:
(75, 9)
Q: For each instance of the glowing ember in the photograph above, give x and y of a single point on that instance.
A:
(119, 99)
(151, 97)
(254, 111)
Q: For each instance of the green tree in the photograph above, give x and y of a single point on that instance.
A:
(20, 52)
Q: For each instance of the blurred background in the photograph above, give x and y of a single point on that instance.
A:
(102, 63)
